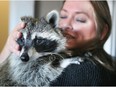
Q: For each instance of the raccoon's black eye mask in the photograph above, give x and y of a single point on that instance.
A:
(40, 44)
(44, 45)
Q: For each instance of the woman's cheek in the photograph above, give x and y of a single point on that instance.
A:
(61, 23)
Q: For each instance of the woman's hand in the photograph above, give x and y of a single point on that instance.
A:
(11, 44)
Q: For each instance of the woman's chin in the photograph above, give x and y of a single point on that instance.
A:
(70, 47)
(70, 44)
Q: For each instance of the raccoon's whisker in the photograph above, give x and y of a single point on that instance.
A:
(58, 55)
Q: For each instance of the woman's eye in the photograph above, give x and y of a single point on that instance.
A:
(81, 20)
(63, 17)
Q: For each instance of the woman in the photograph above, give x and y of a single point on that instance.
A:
(86, 25)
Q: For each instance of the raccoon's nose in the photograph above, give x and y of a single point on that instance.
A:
(24, 57)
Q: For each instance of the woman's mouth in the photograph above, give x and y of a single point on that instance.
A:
(69, 37)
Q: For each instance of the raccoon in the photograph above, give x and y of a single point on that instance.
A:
(43, 54)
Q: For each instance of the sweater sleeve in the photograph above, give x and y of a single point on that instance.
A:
(85, 74)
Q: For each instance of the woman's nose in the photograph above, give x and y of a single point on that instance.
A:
(67, 25)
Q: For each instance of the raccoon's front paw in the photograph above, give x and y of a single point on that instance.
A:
(66, 62)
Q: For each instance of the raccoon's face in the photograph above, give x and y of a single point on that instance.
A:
(41, 37)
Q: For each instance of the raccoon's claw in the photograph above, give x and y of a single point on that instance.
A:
(24, 57)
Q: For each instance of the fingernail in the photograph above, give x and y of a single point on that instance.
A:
(22, 24)
(18, 34)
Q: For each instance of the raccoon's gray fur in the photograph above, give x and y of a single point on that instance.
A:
(42, 58)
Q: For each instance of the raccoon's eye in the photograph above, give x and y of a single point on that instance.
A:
(44, 45)
(20, 41)
(38, 41)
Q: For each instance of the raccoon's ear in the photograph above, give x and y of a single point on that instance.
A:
(53, 18)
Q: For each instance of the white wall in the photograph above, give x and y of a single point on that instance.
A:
(107, 45)
(110, 45)
(19, 8)
(113, 35)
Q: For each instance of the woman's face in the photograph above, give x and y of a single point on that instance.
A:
(77, 21)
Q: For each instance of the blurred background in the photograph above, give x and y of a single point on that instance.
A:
(12, 10)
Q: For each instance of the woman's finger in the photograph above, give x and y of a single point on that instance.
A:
(14, 47)
(20, 26)
(16, 35)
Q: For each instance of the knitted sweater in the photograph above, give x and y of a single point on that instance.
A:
(85, 74)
